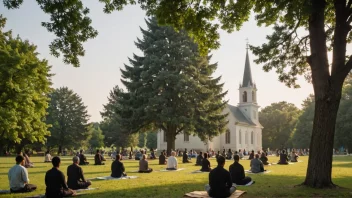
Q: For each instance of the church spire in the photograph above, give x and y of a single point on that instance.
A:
(247, 76)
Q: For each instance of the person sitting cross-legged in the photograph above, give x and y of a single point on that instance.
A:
(205, 164)
(257, 165)
(56, 186)
(98, 158)
(47, 157)
(283, 158)
(294, 156)
(18, 177)
(220, 183)
(162, 158)
(185, 158)
(117, 168)
(251, 156)
(82, 158)
(237, 172)
(199, 159)
(264, 159)
(75, 177)
(143, 165)
(172, 162)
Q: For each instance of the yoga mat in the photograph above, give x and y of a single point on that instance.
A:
(249, 172)
(250, 183)
(81, 190)
(282, 164)
(164, 170)
(204, 194)
(198, 171)
(5, 191)
(43, 195)
(114, 178)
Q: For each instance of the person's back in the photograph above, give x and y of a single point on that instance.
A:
(117, 168)
(251, 156)
(162, 159)
(143, 165)
(264, 159)
(18, 177)
(82, 159)
(205, 164)
(294, 157)
(75, 176)
(185, 157)
(256, 165)
(283, 158)
(98, 158)
(220, 183)
(237, 172)
(47, 157)
(199, 159)
(172, 162)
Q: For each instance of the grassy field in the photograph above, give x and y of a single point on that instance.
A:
(279, 183)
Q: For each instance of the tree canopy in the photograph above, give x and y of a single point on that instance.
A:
(97, 138)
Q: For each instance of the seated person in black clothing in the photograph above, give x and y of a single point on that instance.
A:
(117, 168)
(283, 158)
(152, 154)
(56, 186)
(75, 177)
(229, 154)
(264, 159)
(185, 158)
(162, 158)
(205, 164)
(82, 158)
(251, 156)
(237, 172)
(220, 183)
(199, 159)
(98, 158)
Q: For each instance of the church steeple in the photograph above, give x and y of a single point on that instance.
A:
(247, 76)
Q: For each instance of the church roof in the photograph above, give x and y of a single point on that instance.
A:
(237, 113)
(247, 76)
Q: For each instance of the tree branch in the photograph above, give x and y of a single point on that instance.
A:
(347, 68)
(181, 129)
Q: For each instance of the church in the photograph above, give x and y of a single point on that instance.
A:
(244, 130)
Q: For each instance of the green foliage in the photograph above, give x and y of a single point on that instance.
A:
(69, 22)
(69, 119)
(152, 140)
(24, 85)
(114, 133)
(279, 121)
(97, 139)
(142, 140)
(171, 88)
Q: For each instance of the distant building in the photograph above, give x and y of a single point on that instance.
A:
(243, 130)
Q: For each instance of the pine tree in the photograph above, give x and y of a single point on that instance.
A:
(170, 87)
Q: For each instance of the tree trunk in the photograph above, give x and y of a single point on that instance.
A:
(18, 149)
(170, 139)
(60, 150)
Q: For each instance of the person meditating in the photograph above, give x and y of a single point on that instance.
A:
(229, 154)
(251, 156)
(18, 177)
(283, 158)
(257, 165)
(143, 165)
(117, 168)
(237, 172)
(98, 158)
(220, 183)
(240, 154)
(205, 164)
(56, 186)
(75, 177)
(162, 158)
(294, 156)
(199, 159)
(185, 157)
(47, 157)
(264, 159)
(172, 162)
(82, 158)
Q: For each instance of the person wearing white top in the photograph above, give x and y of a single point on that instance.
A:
(18, 177)
(172, 162)
(47, 157)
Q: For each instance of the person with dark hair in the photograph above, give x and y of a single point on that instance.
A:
(47, 157)
(162, 158)
(256, 165)
(18, 177)
(117, 168)
(143, 165)
(237, 172)
(220, 183)
(56, 186)
(264, 159)
(283, 158)
(98, 158)
(229, 154)
(82, 158)
(205, 164)
(152, 154)
(199, 159)
(251, 156)
(185, 158)
(75, 177)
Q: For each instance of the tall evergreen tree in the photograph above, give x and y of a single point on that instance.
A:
(170, 87)
(69, 119)
(24, 85)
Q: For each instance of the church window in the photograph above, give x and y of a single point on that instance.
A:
(254, 99)
(244, 96)
(186, 137)
(164, 136)
(227, 137)
(252, 138)
(240, 137)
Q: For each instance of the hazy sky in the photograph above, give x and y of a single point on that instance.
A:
(106, 54)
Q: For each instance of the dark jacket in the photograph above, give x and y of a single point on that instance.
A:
(205, 165)
(220, 182)
(74, 175)
(117, 169)
(55, 183)
(98, 158)
(82, 159)
(283, 159)
(236, 172)
(199, 160)
(162, 159)
(185, 158)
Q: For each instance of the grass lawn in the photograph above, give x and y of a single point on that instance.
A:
(279, 183)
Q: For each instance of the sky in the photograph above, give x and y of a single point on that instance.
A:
(109, 51)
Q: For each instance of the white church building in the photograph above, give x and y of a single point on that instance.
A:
(244, 130)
